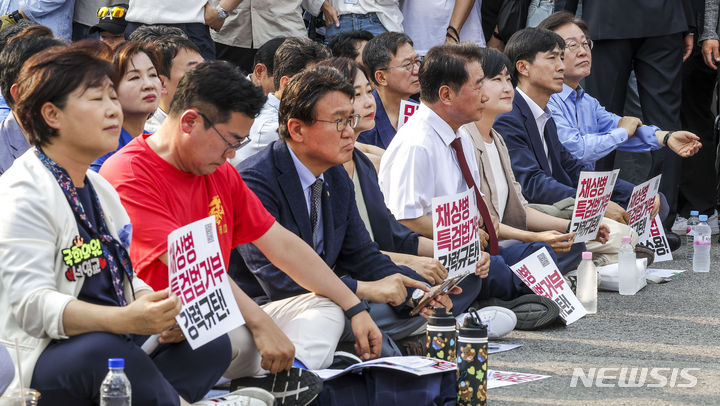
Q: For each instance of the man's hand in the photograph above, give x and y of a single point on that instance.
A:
(484, 238)
(683, 143)
(368, 339)
(656, 207)
(172, 335)
(482, 267)
(276, 350)
(558, 241)
(688, 42)
(617, 213)
(390, 289)
(331, 15)
(630, 124)
(211, 18)
(430, 269)
(152, 313)
(603, 234)
(711, 52)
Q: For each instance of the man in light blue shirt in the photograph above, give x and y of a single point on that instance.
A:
(584, 127)
(54, 14)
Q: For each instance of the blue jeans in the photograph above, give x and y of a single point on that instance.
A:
(538, 11)
(353, 22)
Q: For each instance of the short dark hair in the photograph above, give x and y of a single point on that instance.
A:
(345, 43)
(294, 55)
(10, 32)
(380, 50)
(493, 62)
(217, 88)
(126, 51)
(348, 67)
(303, 92)
(527, 43)
(444, 65)
(16, 52)
(560, 18)
(169, 48)
(266, 54)
(152, 33)
(50, 76)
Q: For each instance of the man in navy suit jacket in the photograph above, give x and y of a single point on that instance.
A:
(547, 172)
(316, 127)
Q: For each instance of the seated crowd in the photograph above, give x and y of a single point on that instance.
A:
(323, 198)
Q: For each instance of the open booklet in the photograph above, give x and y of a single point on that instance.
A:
(416, 365)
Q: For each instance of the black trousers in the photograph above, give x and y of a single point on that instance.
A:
(657, 62)
(697, 188)
(244, 58)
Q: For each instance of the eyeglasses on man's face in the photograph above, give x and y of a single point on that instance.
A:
(342, 123)
(235, 146)
(408, 66)
(573, 46)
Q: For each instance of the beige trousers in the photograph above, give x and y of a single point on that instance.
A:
(312, 323)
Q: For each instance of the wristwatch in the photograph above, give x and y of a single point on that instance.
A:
(222, 13)
(360, 307)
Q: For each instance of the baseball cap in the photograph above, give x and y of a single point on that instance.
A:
(112, 19)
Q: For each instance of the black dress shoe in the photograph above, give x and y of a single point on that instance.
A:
(673, 240)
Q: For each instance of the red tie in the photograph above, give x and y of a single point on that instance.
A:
(482, 207)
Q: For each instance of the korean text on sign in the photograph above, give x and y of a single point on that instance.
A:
(591, 201)
(197, 275)
(657, 241)
(642, 201)
(540, 273)
(407, 109)
(455, 232)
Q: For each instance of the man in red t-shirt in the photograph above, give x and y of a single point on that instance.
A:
(180, 175)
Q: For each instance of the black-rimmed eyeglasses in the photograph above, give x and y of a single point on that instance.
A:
(341, 123)
(243, 142)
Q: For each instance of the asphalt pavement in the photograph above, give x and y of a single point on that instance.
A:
(658, 347)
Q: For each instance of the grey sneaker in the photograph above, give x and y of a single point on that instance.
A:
(294, 387)
(532, 311)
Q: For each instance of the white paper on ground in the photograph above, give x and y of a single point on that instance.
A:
(494, 348)
(497, 379)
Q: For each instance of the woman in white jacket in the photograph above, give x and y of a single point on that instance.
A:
(67, 289)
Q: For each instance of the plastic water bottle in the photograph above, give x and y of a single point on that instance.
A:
(115, 389)
(627, 267)
(692, 222)
(587, 283)
(701, 244)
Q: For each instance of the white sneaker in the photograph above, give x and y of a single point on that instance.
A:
(499, 320)
(679, 227)
(241, 397)
(713, 223)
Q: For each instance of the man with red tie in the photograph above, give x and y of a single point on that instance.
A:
(429, 158)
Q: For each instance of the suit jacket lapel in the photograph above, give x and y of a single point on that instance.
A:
(533, 134)
(292, 190)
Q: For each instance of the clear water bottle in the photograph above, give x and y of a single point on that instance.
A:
(627, 267)
(587, 283)
(115, 388)
(692, 222)
(701, 245)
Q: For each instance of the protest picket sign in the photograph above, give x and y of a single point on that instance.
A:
(541, 274)
(657, 241)
(197, 275)
(456, 240)
(642, 201)
(407, 109)
(591, 201)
